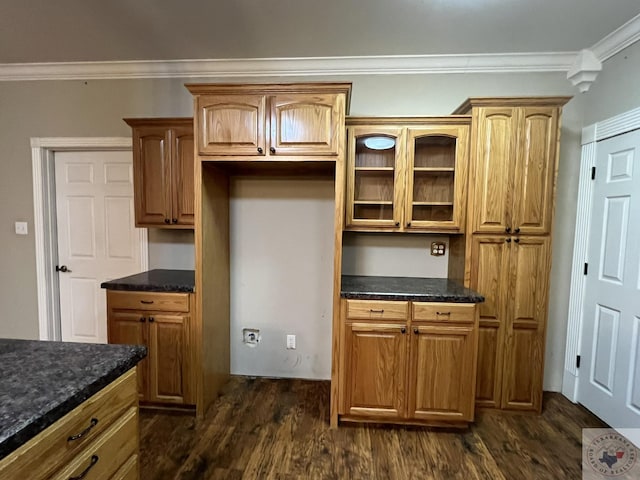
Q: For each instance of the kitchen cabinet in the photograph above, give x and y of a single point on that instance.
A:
(408, 362)
(163, 156)
(514, 163)
(100, 436)
(269, 122)
(407, 174)
(162, 322)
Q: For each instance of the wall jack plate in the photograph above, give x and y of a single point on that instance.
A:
(250, 336)
(438, 249)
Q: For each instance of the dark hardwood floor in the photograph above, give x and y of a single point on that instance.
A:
(279, 429)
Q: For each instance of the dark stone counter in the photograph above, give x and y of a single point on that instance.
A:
(407, 289)
(155, 281)
(40, 382)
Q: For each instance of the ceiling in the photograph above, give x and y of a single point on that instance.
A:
(103, 30)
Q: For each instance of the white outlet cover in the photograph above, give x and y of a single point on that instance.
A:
(21, 228)
(291, 342)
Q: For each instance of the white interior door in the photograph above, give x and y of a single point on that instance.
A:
(97, 240)
(609, 381)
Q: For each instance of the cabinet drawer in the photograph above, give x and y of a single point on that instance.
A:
(129, 471)
(102, 458)
(444, 312)
(53, 447)
(166, 302)
(377, 310)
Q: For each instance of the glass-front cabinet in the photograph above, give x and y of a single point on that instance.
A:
(407, 174)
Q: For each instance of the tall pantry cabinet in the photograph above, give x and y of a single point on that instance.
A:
(514, 151)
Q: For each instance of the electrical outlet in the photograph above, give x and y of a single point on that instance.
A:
(251, 336)
(438, 249)
(291, 342)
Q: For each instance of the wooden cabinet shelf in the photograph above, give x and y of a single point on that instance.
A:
(408, 362)
(163, 155)
(421, 171)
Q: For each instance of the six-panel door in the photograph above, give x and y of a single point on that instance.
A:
(376, 359)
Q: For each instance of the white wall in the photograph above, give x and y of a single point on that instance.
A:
(282, 275)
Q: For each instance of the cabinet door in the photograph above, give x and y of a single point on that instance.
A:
(493, 170)
(375, 370)
(436, 178)
(535, 170)
(152, 174)
(490, 277)
(442, 368)
(182, 176)
(525, 330)
(306, 124)
(231, 124)
(169, 359)
(130, 328)
(375, 176)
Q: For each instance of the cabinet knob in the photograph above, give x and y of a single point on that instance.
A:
(142, 319)
(166, 220)
(408, 224)
(272, 149)
(403, 330)
(260, 150)
(416, 331)
(397, 224)
(517, 240)
(151, 319)
(517, 230)
(508, 229)
(508, 240)
(174, 220)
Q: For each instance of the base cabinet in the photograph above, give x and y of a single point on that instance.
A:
(411, 363)
(161, 321)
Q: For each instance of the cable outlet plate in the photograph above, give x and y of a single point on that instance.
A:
(251, 336)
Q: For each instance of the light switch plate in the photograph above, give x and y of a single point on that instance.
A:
(21, 228)
(438, 249)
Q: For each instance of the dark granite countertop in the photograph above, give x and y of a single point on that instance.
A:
(407, 288)
(157, 280)
(40, 382)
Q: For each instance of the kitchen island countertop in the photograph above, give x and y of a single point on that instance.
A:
(40, 382)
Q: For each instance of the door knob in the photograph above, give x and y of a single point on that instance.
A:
(62, 268)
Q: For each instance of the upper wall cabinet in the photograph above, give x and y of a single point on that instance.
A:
(515, 165)
(163, 154)
(270, 121)
(407, 174)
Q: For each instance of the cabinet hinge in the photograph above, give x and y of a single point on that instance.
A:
(586, 268)
(577, 361)
(593, 173)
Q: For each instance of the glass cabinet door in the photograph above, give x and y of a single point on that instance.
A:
(372, 182)
(436, 177)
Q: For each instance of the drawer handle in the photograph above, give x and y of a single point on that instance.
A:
(146, 302)
(94, 422)
(372, 310)
(443, 313)
(94, 460)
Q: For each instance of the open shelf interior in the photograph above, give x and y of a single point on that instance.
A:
(434, 151)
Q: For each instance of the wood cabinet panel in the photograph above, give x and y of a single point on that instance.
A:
(489, 373)
(231, 124)
(306, 124)
(495, 154)
(162, 322)
(163, 172)
(129, 471)
(535, 170)
(442, 379)
(169, 359)
(375, 369)
(377, 310)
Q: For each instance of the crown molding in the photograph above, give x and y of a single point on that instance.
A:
(621, 38)
(285, 67)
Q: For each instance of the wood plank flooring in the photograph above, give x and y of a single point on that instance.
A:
(279, 429)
